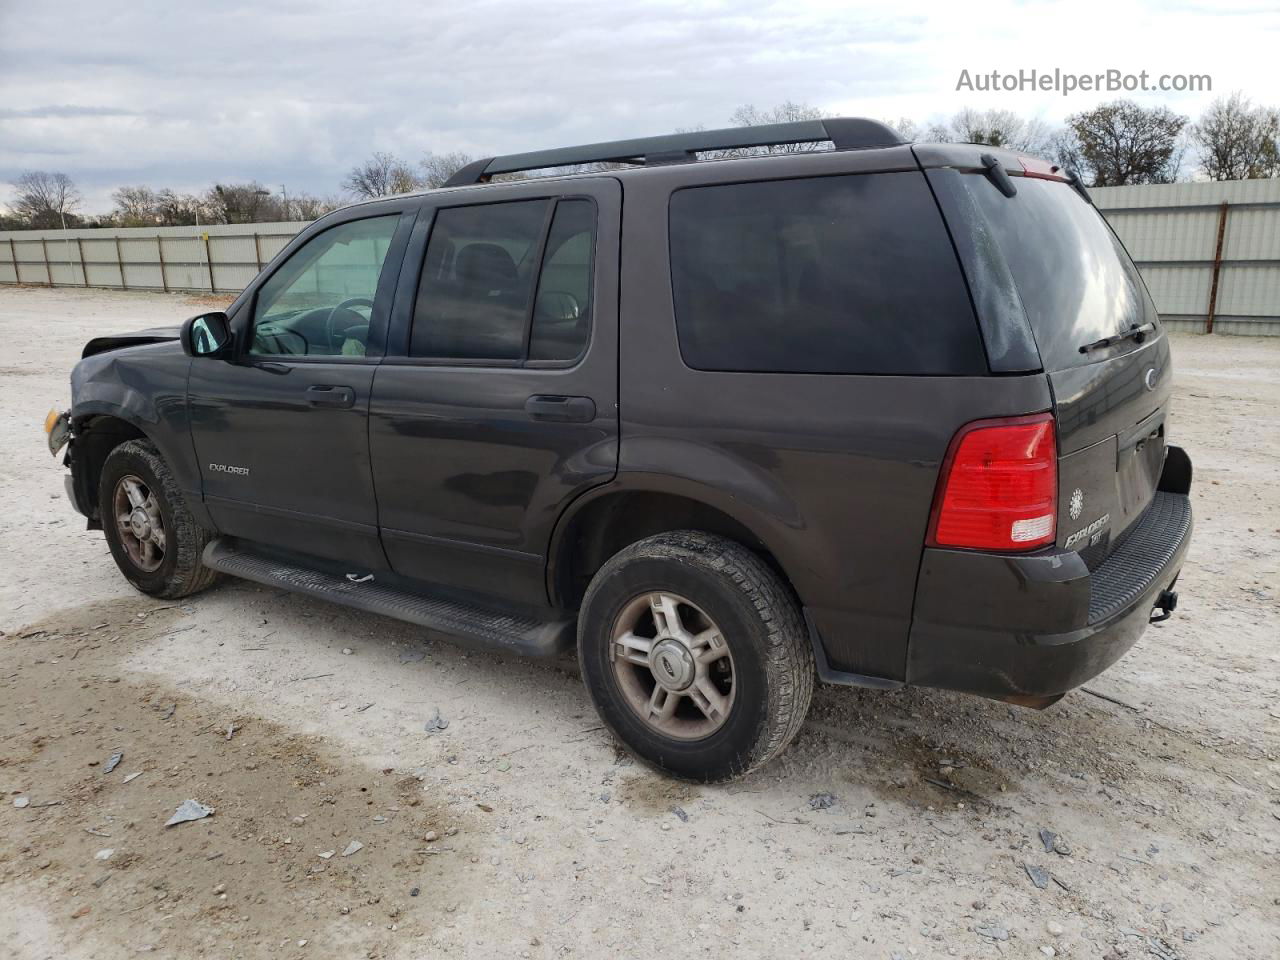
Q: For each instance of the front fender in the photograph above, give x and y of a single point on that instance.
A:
(146, 388)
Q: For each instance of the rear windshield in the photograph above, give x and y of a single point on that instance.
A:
(1076, 282)
(844, 274)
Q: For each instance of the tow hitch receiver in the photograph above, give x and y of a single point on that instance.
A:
(1166, 603)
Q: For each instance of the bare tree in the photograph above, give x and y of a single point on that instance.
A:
(135, 207)
(749, 115)
(182, 209)
(306, 206)
(1121, 142)
(994, 128)
(381, 175)
(439, 167)
(1238, 141)
(906, 128)
(44, 200)
(242, 203)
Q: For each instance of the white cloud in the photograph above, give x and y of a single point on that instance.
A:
(182, 93)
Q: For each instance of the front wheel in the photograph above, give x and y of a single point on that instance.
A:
(695, 655)
(154, 539)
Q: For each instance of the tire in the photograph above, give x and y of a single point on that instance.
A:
(713, 580)
(178, 571)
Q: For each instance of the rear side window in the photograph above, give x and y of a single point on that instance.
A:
(507, 282)
(1076, 282)
(848, 274)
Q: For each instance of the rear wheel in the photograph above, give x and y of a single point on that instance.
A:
(154, 539)
(695, 655)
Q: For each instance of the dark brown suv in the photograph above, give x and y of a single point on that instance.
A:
(728, 417)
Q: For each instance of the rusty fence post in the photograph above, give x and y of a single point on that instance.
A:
(48, 274)
(1217, 267)
(13, 255)
(164, 280)
(208, 259)
(257, 250)
(120, 264)
(84, 267)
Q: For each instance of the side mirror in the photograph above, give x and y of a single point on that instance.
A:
(206, 335)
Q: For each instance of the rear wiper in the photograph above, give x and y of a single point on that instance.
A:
(1136, 333)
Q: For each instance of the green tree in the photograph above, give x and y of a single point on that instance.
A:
(1122, 143)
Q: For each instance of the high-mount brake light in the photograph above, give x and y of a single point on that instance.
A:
(998, 488)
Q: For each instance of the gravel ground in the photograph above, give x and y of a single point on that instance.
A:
(908, 824)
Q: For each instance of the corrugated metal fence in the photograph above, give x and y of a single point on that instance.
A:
(219, 258)
(1210, 253)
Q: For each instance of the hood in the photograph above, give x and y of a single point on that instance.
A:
(116, 342)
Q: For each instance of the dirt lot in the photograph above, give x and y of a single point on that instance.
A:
(898, 825)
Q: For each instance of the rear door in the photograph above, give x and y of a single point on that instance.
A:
(497, 403)
(1079, 289)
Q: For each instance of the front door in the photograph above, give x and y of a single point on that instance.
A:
(281, 430)
(497, 402)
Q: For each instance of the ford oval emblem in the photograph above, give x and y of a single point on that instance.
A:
(1150, 379)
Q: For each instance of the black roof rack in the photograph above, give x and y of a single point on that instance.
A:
(846, 133)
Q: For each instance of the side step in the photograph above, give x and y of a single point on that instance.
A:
(471, 625)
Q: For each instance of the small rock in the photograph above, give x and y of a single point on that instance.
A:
(979, 905)
(1048, 838)
(414, 892)
(355, 846)
(1055, 928)
(347, 651)
(104, 854)
(431, 836)
(822, 801)
(992, 932)
(1048, 951)
(436, 723)
(112, 762)
(220, 889)
(870, 811)
(21, 802)
(1039, 876)
(327, 854)
(302, 943)
(679, 812)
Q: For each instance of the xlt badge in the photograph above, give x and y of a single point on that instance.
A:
(1089, 531)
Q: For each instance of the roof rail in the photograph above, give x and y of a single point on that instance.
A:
(846, 133)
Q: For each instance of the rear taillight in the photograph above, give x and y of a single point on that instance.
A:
(998, 489)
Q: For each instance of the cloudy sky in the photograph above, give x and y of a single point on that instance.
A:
(182, 94)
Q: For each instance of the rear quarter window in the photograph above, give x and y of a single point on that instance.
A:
(844, 275)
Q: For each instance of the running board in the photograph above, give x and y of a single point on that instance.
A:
(469, 624)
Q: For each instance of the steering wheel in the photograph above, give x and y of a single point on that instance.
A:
(344, 305)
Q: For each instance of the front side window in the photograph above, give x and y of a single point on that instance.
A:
(842, 274)
(507, 282)
(320, 302)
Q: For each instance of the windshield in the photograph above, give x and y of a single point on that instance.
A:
(1076, 282)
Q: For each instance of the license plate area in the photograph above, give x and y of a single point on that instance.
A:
(1139, 460)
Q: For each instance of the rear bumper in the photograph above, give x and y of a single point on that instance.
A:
(1027, 629)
